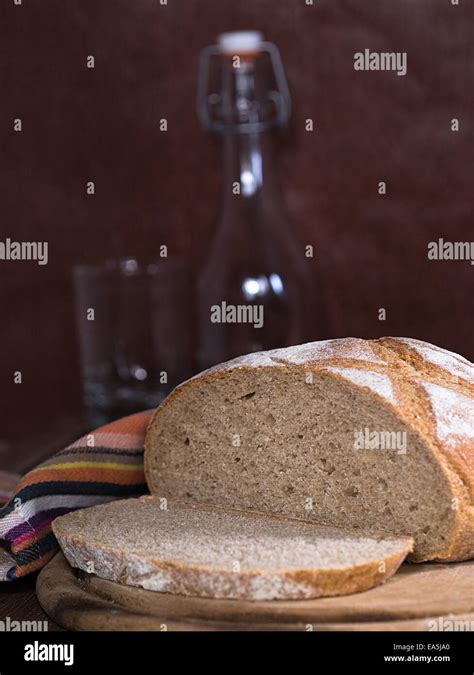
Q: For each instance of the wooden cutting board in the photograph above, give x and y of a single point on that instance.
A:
(414, 599)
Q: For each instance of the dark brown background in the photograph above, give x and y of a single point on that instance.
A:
(153, 187)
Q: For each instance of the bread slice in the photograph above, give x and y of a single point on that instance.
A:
(370, 434)
(220, 553)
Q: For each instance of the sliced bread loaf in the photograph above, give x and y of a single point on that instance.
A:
(212, 552)
(375, 434)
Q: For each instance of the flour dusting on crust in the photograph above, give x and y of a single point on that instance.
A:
(376, 382)
(326, 350)
(453, 411)
(453, 363)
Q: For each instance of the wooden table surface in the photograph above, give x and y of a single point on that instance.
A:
(18, 598)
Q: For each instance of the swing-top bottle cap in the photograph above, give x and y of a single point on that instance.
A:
(225, 104)
(240, 42)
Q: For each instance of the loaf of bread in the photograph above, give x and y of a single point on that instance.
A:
(211, 552)
(375, 435)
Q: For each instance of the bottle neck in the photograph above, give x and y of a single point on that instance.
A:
(250, 194)
(248, 174)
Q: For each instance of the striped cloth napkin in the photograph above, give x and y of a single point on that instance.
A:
(104, 465)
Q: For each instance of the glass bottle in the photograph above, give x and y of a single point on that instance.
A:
(254, 290)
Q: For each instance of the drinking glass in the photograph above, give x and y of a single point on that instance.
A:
(135, 327)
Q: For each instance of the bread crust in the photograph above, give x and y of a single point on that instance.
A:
(414, 369)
